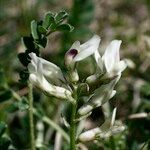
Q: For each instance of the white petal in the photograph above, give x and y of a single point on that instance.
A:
(39, 70)
(112, 94)
(51, 70)
(31, 67)
(92, 41)
(56, 91)
(98, 59)
(117, 129)
(88, 48)
(89, 135)
(120, 66)
(45, 68)
(61, 92)
(111, 55)
(76, 45)
(50, 89)
(113, 116)
(33, 79)
(85, 109)
(33, 57)
(97, 56)
(103, 93)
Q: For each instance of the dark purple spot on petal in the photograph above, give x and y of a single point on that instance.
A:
(72, 52)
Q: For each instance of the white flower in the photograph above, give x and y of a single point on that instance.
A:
(109, 68)
(110, 61)
(107, 129)
(48, 77)
(109, 65)
(101, 95)
(86, 49)
(79, 52)
(89, 135)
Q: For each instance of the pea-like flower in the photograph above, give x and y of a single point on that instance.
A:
(109, 64)
(48, 77)
(100, 96)
(78, 51)
(108, 128)
(109, 68)
(110, 61)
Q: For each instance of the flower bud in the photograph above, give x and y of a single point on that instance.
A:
(89, 135)
(73, 76)
(83, 117)
(83, 89)
(85, 110)
(112, 131)
(92, 79)
(69, 56)
(117, 129)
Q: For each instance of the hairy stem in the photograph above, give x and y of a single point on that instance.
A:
(31, 116)
(73, 126)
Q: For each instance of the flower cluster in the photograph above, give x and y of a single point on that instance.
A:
(107, 129)
(100, 85)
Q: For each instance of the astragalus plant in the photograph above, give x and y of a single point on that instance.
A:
(97, 89)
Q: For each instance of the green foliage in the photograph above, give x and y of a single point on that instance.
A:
(60, 17)
(24, 76)
(24, 58)
(42, 30)
(146, 89)
(64, 27)
(5, 95)
(34, 30)
(23, 104)
(3, 127)
(48, 20)
(28, 42)
(4, 140)
(38, 39)
(4, 143)
(3, 83)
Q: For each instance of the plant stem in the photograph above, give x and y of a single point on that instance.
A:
(31, 116)
(46, 119)
(73, 128)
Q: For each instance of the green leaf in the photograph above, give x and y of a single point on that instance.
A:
(145, 89)
(3, 83)
(24, 76)
(61, 16)
(53, 26)
(34, 30)
(42, 30)
(24, 58)
(4, 143)
(3, 127)
(5, 95)
(65, 27)
(36, 51)
(23, 104)
(48, 20)
(42, 42)
(28, 42)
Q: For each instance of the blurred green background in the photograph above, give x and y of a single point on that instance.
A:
(127, 20)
